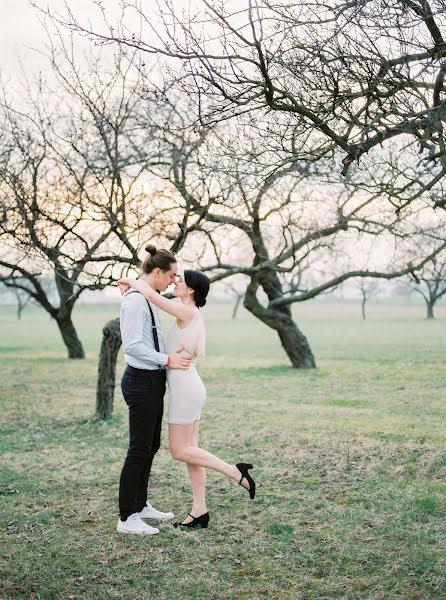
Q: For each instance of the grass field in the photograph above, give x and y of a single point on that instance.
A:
(350, 463)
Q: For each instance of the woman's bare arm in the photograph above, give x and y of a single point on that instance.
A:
(176, 309)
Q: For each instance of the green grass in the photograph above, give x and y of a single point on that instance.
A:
(350, 463)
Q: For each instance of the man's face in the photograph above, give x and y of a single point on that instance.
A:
(166, 278)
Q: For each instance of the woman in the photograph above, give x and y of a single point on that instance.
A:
(187, 393)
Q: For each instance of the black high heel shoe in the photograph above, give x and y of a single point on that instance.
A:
(244, 468)
(201, 521)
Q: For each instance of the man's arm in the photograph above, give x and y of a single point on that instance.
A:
(133, 316)
(182, 312)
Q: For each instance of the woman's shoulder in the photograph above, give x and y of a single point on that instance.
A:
(199, 316)
(195, 315)
(182, 324)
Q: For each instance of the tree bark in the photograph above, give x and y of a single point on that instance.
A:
(430, 309)
(296, 345)
(105, 390)
(70, 337)
(293, 340)
(363, 308)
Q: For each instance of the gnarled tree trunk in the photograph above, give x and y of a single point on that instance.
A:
(105, 390)
(295, 344)
(70, 337)
(280, 319)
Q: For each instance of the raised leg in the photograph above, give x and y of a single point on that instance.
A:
(181, 449)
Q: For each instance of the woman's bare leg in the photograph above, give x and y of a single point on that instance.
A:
(197, 477)
(182, 449)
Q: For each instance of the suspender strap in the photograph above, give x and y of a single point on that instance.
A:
(154, 329)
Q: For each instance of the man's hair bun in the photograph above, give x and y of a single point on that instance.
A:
(151, 249)
(157, 259)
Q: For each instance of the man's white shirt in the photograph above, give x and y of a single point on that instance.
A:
(136, 333)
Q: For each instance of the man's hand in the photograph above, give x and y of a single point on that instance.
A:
(178, 361)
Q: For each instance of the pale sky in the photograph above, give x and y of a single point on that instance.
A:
(21, 32)
(16, 29)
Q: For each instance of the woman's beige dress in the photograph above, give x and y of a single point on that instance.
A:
(187, 393)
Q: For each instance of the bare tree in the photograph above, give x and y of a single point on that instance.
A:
(341, 78)
(315, 86)
(289, 225)
(236, 288)
(367, 289)
(74, 199)
(239, 295)
(430, 283)
(21, 297)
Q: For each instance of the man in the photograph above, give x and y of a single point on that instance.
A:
(143, 386)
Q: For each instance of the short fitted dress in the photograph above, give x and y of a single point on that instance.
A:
(187, 393)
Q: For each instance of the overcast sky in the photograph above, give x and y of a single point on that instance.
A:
(21, 32)
(17, 28)
(22, 35)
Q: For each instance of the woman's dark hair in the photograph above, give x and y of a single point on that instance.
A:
(157, 259)
(198, 282)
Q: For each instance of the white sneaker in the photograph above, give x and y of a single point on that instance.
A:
(134, 525)
(148, 512)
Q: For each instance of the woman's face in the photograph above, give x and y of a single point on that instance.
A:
(180, 289)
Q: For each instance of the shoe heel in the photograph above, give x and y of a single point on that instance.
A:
(201, 521)
(244, 468)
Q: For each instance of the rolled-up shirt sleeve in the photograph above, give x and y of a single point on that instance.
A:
(133, 317)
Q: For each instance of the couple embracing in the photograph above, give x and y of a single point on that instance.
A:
(150, 362)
